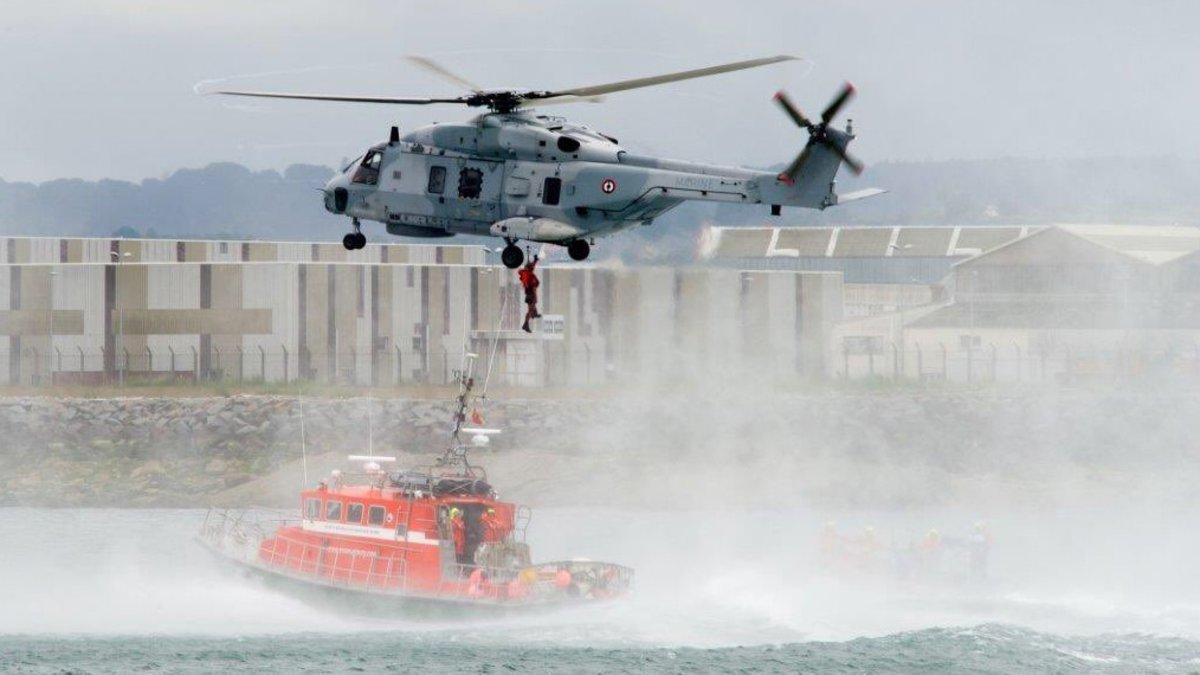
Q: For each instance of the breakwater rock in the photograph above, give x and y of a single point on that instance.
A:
(173, 451)
(860, 447)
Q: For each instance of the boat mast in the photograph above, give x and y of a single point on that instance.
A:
(456, 454)
(466, 383)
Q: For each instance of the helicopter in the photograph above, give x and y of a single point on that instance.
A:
(519, 175)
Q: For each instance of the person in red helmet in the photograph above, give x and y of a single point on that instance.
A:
(530, 283)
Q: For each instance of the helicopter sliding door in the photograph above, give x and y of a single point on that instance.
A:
(472, 189)
(440, 192)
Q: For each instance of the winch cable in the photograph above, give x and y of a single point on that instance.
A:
(466, 345)
(487, 377)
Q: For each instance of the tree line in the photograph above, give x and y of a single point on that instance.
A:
(227, 200)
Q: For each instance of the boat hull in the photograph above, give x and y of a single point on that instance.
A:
(468, 590)
(362, 602)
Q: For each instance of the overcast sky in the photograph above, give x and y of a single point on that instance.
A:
(104, 88)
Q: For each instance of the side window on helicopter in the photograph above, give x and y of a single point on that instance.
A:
(470, 183)
(437, 180)
(551, 189)
(367, 172)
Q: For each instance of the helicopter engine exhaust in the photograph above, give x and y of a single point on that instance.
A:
(536, 229)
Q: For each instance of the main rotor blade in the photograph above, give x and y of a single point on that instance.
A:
(439, 70)
(559, 100)
(792, 111)
(625, 85)
(836, 104)
(344, 99)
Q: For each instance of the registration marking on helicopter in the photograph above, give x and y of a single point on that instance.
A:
(413, 219)
(696, 183)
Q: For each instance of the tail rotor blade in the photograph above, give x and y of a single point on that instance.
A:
(851, 161)
(791, 110)
(789, 174)
(835, 106)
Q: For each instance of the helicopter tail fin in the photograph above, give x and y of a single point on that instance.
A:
(810, 178)
(813, 184)
(814, 170)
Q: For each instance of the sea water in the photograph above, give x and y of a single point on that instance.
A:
(111, 590)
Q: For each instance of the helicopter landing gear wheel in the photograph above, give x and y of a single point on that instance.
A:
(578, 249)
(356, 239)
(512, 257)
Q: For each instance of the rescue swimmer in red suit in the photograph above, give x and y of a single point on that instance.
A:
(530, 283)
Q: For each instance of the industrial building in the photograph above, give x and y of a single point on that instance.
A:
(1060, 301)
(904, 255)
(953, 303)
(884, 269)
(120, 311)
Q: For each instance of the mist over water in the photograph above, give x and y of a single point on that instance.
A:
(705, 579)
(718, 496)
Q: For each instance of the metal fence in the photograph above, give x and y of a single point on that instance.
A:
(558, 363)
(992, 362)
(543, 363)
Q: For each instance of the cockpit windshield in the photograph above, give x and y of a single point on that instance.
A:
(367, 172)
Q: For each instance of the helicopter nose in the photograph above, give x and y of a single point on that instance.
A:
(336, 195)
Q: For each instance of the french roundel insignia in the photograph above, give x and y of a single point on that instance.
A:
(608, 186)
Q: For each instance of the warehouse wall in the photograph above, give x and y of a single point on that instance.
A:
(387, 323)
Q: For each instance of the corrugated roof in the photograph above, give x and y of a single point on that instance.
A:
(929, 241)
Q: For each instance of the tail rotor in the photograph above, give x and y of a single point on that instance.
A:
(819, 133)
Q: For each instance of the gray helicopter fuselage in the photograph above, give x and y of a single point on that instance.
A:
(522, 176)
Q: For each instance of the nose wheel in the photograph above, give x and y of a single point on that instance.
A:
(356, 239)
(512, 256)
(578, 249)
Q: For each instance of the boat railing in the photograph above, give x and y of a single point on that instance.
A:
(521, 522)
(542, 581)
(249, 522)
(361, 568)
(365, 569)
(257, 540)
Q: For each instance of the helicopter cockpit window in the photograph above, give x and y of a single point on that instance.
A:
(367, 172)
(437, 180)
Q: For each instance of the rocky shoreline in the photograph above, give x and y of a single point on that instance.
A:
(177, 451)
(868, 448)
